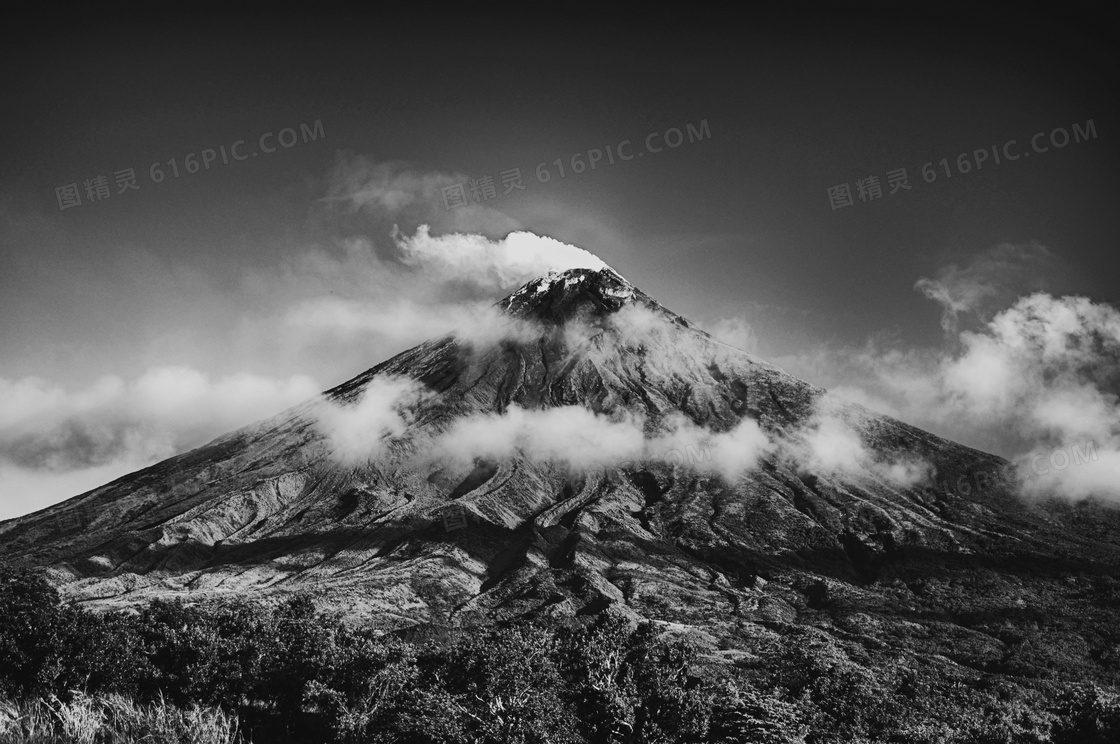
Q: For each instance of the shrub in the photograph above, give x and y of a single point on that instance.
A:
(1088, 715)
(176, 672)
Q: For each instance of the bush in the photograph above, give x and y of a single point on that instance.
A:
(48, 648)
(176, 672)
(1089, 715)
(30, 634)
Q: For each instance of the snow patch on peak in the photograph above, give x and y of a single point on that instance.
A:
(624, 292)
(606, 280)
(545, 282)
(537, 286)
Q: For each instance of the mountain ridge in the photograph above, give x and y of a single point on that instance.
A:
(416, 535)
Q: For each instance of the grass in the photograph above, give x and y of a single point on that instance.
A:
(114, 719)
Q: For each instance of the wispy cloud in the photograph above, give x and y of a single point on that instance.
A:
(829, 444)
(52, 439)
(730, 454)
(568, 435)
(988, 282)
(367, 196)
(737, 332)
(361, 431)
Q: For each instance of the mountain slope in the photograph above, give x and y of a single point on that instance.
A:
(417, 534)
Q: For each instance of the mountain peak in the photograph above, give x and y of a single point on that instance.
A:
(560, 295)
(566, 279)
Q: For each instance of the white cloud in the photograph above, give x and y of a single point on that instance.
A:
(639, 324)
(52, 439)
(829, 444)
(1042, 374)
(580, 439)
(736, 332)
(494, 264)
(363, 301)
(360, 431)
(730, 454)
(832, 446)
(739, 450)
(1077, 471)
(485, 327)
(569, 435)
(164, 410)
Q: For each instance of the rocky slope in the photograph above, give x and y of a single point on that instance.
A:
(935, 565)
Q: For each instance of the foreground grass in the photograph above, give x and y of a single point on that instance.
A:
(114, 719)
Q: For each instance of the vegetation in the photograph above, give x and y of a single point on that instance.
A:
(241, 672)
(114, 719)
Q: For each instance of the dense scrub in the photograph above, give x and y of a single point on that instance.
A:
(291, 674)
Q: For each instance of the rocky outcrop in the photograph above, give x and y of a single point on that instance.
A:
(268, 510)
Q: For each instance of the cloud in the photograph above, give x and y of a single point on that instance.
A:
(673, 347)
(569, 435)
(1048, 366)
(832, 446)
(494, 264)
(739, 450)
(729, 454)
(366, 196)
(990, 280)
(736, 332)
(395, 324)
(580, 439)
(164, 411)
(485, 327)
(50, 437)
(359, 301)
(1040, 374)
(475, 244)
(637, 323)
(387, 187)
(361, 431)
(1077, 472)
(828, 443)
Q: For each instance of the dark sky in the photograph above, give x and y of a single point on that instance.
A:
(737, 227)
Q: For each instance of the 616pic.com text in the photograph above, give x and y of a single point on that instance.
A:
(870, 188)
(97, 187)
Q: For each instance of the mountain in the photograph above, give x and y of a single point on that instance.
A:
(835, 517)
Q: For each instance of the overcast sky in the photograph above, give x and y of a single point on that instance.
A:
(136, 322)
